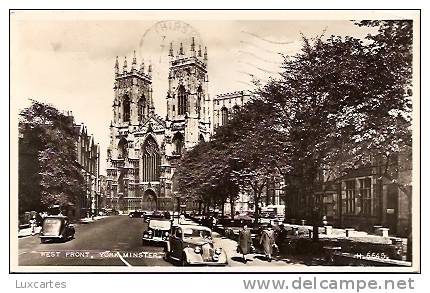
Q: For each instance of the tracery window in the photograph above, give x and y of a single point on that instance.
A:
(182, 100)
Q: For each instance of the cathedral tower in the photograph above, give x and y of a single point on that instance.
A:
(188, 100)
(133, 94)
(132, 106)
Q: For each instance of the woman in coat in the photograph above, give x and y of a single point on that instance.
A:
(267, 240)
(244, 242)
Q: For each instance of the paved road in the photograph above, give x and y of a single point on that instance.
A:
(96, 244)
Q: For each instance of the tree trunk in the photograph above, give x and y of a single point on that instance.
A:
(232, 210)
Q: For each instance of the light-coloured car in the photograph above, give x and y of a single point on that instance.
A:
(193, 245)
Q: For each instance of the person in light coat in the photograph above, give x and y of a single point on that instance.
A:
(267, 240)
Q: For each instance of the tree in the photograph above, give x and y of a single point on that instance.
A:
(341, 100)
(53, 140)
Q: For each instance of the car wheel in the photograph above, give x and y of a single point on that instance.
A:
(184, 262)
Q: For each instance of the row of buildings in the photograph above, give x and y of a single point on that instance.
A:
(145, 148)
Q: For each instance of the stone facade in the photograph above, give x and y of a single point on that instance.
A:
(88, 158)
(144, 147)
(226, 105)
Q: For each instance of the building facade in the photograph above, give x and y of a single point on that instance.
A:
(226, 105)
(88, 158)
(378, 194)
(144, 147)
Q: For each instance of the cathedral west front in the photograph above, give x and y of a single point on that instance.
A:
(144, 147)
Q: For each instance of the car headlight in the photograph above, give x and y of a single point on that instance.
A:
(149, 232)
(217, 250)
(197, 249)
(145, 235)
(166, 234)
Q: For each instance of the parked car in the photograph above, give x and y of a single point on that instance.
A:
(111, 212)
(157, 215)
(136, 214)
(56, 228)
(193, 245)
(158, 231)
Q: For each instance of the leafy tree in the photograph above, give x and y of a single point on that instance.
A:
(53, 139)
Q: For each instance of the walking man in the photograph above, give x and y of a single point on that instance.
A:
(244, 242)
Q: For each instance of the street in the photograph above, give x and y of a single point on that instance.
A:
(98, 244)
(95, 244)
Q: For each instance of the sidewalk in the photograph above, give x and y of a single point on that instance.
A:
(91, 220)
(256, 259)
(27, 232)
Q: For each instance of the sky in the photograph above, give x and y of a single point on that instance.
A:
(67, 58)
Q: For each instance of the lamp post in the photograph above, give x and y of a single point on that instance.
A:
(176, 195)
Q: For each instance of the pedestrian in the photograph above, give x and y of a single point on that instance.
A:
(33, 225)
(244, 242)
(181, 219)
(281, 235)
(214, 221)
(267, 240)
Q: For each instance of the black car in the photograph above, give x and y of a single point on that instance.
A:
(157, 215)
(136, 214)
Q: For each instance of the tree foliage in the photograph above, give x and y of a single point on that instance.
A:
(338, 101)
(51, 134)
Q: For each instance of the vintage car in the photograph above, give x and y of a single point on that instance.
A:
(56, 228)
(158, 231)
(193, 245)
(156, 215)
(136, 214)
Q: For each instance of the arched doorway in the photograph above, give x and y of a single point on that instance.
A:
(149, 200)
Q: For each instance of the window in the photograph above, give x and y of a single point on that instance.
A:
(141, 106)
(122, 148)
(365, 196)
(182, 100)
(224, 115)
(151, 160)
(126, 108)
(178, 141)
(350, 196)
(199, 100)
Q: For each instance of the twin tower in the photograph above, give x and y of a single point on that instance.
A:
(144, 147)
(187, 96)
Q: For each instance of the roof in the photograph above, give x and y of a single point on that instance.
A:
(56, 217)
(193, 226)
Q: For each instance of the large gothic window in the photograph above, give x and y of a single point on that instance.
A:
(182, 100)
(122, 148)
(178, 142)
(224, 115)
(151, 160)
(126, 109)
(141, 108)
(199, 100)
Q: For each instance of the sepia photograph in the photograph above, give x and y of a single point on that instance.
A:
(214, 141)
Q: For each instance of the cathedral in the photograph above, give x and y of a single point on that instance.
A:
(144, 147)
